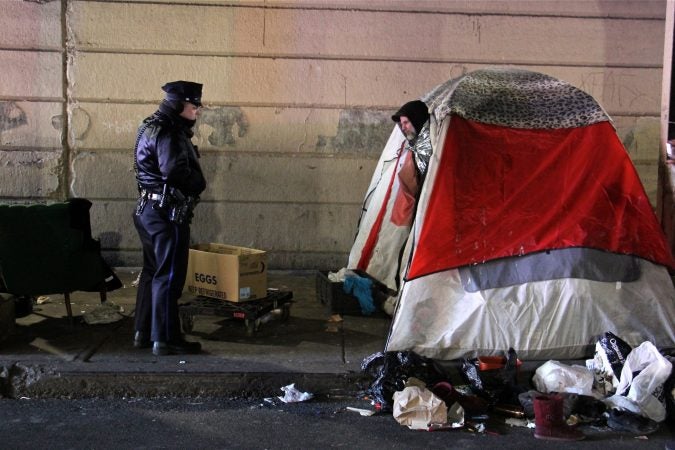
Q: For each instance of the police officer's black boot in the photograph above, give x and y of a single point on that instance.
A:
(159, 349)
(142, 340)
(176, 347)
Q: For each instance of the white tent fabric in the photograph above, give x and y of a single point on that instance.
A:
(383, 265)
(540, 320)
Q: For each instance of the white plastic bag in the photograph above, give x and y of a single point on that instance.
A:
(416, 407)
(640, 388)
(554, 376)
(293, 394)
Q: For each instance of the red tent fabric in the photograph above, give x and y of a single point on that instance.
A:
(509, 191)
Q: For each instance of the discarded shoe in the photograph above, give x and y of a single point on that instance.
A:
(624, 420)
(142, 340)
(549, 421)
(178, 347)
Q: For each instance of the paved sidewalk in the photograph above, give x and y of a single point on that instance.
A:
(46, 356)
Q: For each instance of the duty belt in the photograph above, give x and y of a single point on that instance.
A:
(150, 195)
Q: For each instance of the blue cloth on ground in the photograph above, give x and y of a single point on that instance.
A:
(362, 289)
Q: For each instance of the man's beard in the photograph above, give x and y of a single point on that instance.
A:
(411, 136)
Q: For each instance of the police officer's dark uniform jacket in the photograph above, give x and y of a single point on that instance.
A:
(170, 181)
(165, 154)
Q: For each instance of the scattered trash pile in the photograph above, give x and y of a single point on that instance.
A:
(620, 389)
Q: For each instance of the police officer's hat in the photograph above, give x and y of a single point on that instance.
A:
(185, 91)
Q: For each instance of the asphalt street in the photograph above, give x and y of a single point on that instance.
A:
(261, 423)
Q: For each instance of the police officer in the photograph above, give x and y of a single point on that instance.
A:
(170, 181)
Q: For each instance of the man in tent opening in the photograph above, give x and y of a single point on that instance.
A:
(413, 121)
(393, 195)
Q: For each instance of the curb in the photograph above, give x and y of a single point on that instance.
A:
(20, 381)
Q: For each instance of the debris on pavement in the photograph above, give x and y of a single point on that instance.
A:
(361, 411)
(516, 422)
(334, 323)
(620, 390)
(136, 280)
(416, 407)
(554, 376)
(292, 394)
(107, 312)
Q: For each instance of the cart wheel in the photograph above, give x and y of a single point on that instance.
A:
(285, 312)
(187, 323)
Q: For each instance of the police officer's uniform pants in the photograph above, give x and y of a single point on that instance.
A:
(166, 249)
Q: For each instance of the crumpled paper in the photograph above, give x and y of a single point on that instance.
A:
(292, 394)
(416, 407)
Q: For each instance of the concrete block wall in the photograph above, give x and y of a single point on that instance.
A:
(297, 94)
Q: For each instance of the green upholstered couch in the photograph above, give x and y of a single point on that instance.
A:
(48, 249)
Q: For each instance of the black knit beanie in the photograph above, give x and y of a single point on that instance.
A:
(416, 111)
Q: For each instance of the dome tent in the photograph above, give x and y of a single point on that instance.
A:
(532, 229)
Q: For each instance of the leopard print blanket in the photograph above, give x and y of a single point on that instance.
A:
(514, 98)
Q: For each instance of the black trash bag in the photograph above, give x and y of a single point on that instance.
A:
(497, 385)
(589, 408)
(509, 378)
(630, 422)
(471, 376)
(391, 370)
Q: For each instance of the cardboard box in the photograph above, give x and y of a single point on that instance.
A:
(227, 272)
